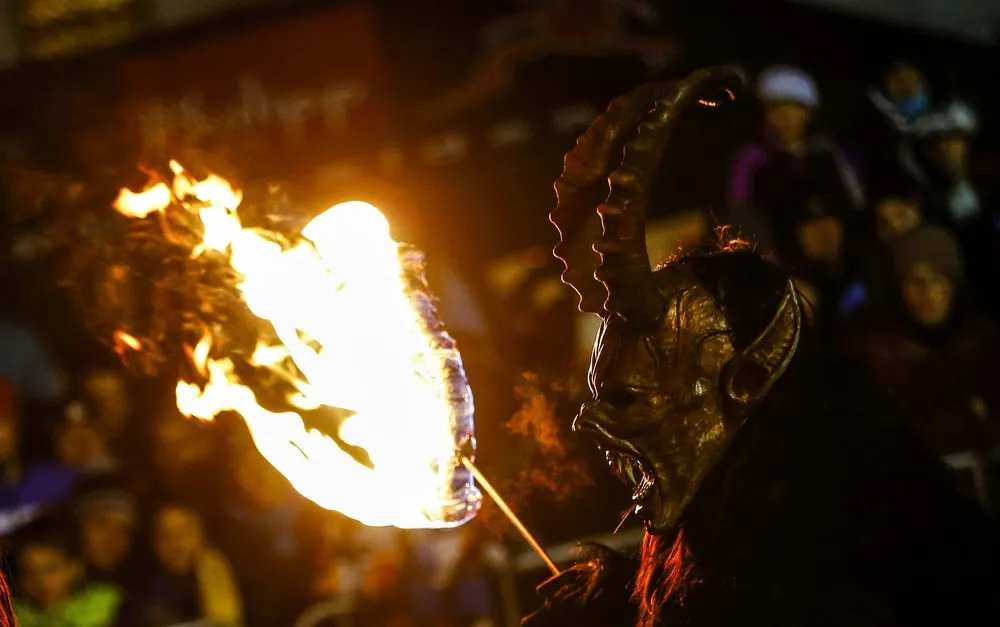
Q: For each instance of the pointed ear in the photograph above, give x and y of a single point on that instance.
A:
(752, 373)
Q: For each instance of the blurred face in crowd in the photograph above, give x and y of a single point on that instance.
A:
(178, 539)
(107, 534)
(788, 120)
(181, 445)
(48, 575)
(950, 153)
(109, 395)
(895, 216)
(928, 294)
(81, 446)
(903, 83)
(820, 239)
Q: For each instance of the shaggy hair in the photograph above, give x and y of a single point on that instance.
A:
(6, 606)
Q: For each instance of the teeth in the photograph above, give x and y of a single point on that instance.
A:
(629, 471)
(642, 490)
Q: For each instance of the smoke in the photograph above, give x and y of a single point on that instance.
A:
(536, 417)
(542, 423)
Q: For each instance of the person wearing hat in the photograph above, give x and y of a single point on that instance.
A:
(106, 512)
(793, 192)
(932, 346)
(881, 133)
(951, 195)
(944, 140)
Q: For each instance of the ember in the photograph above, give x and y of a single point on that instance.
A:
(123, 341)
(351, 331)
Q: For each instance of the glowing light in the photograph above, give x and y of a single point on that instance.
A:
(123, 341)
(348, 338)
(140, 205)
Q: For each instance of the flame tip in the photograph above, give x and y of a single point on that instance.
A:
(337, 304)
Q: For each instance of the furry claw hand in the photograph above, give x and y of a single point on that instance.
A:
(595, 591)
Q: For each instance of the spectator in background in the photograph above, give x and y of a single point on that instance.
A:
(53, 591)
(897, 213)
(943, 136)
(106, 391)
(106, 514)
(794, 193)
(260, 529)
(25, 486)
(185, 461)
(882, 135)
(932, 347)
(79, 445)
(193, 581)
(953, 198)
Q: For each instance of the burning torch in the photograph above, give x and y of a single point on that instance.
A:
(348, 325)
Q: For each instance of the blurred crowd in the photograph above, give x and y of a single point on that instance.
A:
(893, 239)
(113, 520)
(117, 511)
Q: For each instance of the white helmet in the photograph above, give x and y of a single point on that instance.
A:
(782, 83)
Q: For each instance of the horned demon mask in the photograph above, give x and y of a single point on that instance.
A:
(672, 382)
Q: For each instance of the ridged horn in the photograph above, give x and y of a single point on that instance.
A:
(625, 269)
(583, 185)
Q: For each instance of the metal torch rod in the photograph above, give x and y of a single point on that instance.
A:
(488, 487)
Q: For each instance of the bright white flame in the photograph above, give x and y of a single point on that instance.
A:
(133, 205)
(349, 339)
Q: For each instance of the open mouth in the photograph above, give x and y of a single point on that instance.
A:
(630, 471)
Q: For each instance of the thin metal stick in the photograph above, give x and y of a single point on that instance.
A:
(488, 487)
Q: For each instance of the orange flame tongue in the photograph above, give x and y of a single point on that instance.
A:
(350, 338)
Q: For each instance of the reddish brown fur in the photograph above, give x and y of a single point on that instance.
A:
(665, 573)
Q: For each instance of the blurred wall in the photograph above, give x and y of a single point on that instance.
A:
(172, 13)
(278, 96)
(8, 37)
(50, 29)
(972, 20)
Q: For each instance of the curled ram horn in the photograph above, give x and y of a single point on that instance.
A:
(606, 183)
(583, 185)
